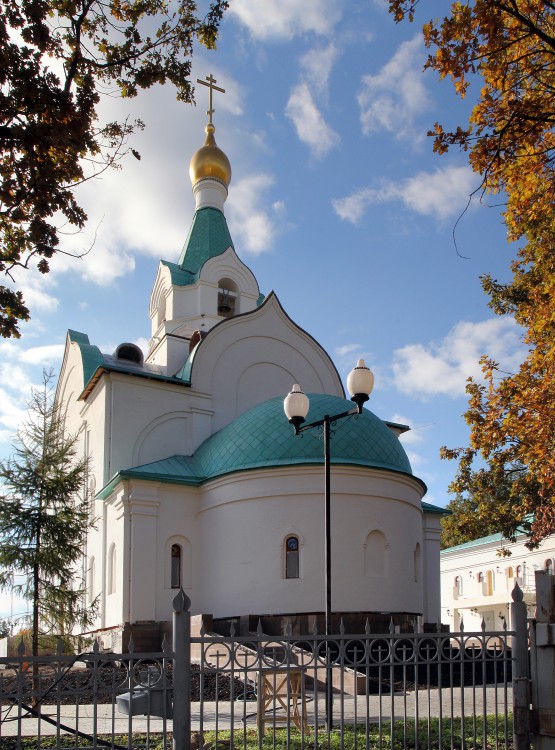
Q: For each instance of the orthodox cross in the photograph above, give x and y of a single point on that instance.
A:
(211, 81)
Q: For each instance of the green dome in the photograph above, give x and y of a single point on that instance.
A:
(262, 437)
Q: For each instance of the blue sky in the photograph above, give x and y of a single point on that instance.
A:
(337, 203)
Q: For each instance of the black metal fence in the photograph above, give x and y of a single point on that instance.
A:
(394, 690)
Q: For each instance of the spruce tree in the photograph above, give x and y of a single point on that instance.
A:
(44, 518)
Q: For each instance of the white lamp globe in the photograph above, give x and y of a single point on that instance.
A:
(295, 405)
(360, 382)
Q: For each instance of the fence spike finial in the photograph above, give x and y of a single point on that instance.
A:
(131, 646)
(367, 627)
(259, 631)
(96, 646)
(483, 625)
(232, 629)
(391, 626)
(59, 646)
(341, 627)
(461, 626)
(21, 647)
(181, 602)
(315, 627)
(288, 629)
(164, 645)
(517, 594)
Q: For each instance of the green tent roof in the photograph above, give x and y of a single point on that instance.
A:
(208, 237)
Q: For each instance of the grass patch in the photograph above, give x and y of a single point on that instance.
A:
(432, 735)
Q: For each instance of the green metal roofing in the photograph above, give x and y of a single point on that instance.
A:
(435, 509)
(94, 363)
(208, 237)
(179, 277)
(91, 356)
(262, 438)
(492, 538)
(496, 538)
(185, 373)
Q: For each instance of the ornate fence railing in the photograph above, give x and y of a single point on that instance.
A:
(81, 700)
(394, 690)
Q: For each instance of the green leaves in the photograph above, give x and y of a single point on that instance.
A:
(44, 518)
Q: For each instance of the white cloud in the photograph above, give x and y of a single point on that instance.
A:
(415, 459)
(37, 298)
(353, 207)
(347, 350)
(36, 287)
(142, 343)
(48, 354)
(391, 99)
(253, 224)
(18, 367)
(414, 435)
(286, 18)
(441, 194)
(302, 108)
(317, 64)
(43, 355)
(311, 127)
(441, 368)
(12, 412)
(146, 207)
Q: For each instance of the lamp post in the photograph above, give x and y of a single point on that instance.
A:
(360, 382)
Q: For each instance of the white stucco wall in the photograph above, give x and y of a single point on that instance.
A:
(235, 528)
(489, 600)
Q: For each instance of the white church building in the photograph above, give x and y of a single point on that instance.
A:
(199, 481)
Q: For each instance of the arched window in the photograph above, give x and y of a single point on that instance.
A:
(91, 581)
(111, 580)
(509, 575)
(292, 557)
(176, 555)
(376, 563)
(481, 578)
(490, 583)
(519, 574)
(417, 563)
(458, 585)
(178, 563)
(227, 298)
(549, 566)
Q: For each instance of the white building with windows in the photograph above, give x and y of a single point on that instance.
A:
(477, 580)
(199, 481)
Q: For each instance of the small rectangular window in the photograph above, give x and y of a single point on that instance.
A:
(176, 566)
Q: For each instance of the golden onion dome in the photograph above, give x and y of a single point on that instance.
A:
(210, 161)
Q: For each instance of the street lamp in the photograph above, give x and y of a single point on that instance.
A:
(360, 382)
